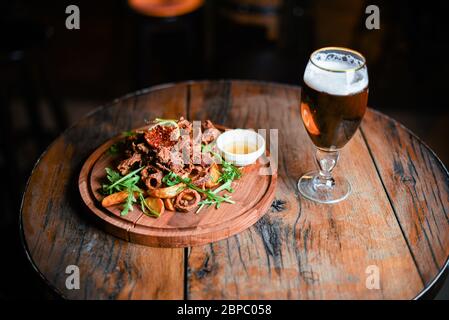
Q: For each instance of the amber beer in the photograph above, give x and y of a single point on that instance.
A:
(332, 108)
(331, 120)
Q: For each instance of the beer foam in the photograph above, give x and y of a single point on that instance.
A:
(346, 82)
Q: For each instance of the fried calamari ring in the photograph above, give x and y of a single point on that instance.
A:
(187, 200)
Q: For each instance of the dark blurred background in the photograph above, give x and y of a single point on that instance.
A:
(51, 76)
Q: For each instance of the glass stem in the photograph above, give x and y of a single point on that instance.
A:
(326, 160)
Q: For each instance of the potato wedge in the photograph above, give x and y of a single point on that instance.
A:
(156, 205)
(166, 193)
(214, 176)
(168, 203)
(115, 198)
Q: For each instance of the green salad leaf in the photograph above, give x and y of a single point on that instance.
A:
(127, 183)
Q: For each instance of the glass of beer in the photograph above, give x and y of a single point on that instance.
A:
(334, 100)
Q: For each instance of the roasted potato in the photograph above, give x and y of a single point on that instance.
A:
(156, 205)
(168, 203)
(168, 192)
(214, 176)
(115, 198)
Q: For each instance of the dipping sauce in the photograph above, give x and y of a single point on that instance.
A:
(240, 147)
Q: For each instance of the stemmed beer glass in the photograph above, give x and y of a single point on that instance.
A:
(334, 100)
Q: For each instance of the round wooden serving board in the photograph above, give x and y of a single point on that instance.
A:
(253, 196)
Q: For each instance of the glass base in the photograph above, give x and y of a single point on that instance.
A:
(310, 186)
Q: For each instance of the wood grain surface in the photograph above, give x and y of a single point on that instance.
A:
(394, 221)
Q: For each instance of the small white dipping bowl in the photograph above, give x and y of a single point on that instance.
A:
(241, 136)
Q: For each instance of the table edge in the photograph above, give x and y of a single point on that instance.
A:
(445, 266)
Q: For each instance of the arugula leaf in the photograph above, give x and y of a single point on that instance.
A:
(172, 179)
(229, 172)
(129, 133)
(164, 122)
(112, 175)
(127, 183)
(114, 149)
(128, 206)
(117, 180)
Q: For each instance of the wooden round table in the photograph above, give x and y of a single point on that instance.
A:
(394, 225)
